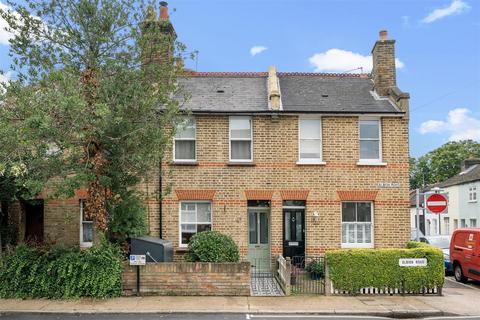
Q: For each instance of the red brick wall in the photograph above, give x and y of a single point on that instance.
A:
(188, 278)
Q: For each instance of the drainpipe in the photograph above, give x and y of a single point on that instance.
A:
(160, 196)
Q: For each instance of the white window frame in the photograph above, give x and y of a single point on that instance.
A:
(471, 224)
(358, 245)
(241, 139)
(186, 139)
(310, 160)
(375, 162)
(83, 244)
(472, 193)
(463, 223)
(180, 244)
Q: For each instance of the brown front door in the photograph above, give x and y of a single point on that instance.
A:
(34, 221)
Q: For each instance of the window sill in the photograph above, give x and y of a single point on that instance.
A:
(357, 246)
(371, 163)
(184, 163)
(86, 245)
(311, 163)
(181, 249)
(241, 163)
(472, 201)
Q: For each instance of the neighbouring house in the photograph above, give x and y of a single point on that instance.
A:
(290, 163)
(428, 221)
(463, 198)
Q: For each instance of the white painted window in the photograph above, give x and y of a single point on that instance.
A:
(310, 140)
(357, 225)
(472, 194)
(241, 142)
(473, 223)
(195, 216)
(455, 224)
(463, 223)
(184, 147)
(370, 140)
(446, 223)
(86, 228)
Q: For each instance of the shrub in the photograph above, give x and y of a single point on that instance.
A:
(127, 217)
(212, 246)
(32, 272)
(354, 269)
(315, 267)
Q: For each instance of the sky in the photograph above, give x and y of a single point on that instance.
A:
(437, 49)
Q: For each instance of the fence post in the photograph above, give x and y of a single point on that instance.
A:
(328, 283)
(288, 275)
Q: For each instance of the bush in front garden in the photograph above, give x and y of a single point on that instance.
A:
(353, 269)
(34, 272)
(212, 246)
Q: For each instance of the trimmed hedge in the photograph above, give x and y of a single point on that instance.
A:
(30, 272)
(353, 269)
(212, 246)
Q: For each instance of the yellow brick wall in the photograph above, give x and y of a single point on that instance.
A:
(275, 156)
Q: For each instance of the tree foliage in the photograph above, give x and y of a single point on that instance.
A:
(90, 101)
(442, 163)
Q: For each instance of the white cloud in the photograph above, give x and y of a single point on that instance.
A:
(456, 7)
(337, 60)
(4, 34)
(459, 123)
(256, 50)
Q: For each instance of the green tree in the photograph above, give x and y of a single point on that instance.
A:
(92, 97)
(442, 163)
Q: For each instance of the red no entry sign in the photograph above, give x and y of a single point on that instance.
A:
(436, 203)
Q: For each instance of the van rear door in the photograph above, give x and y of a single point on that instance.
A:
(474, 267)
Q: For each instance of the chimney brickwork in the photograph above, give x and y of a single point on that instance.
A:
(273, 89)
(384, 74)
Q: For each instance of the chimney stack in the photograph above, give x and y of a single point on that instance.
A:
(468, 163)
(163, 11)
(273, 89)
(383, 72)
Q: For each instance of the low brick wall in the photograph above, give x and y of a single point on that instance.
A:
(189, 279)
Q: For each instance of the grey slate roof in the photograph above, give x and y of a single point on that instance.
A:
(470, 175)
(246, 92)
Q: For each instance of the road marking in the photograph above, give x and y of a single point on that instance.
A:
(302, 316)
(455, 317)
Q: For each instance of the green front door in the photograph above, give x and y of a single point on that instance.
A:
(259, 239)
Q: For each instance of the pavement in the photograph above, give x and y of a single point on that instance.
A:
(457, 299)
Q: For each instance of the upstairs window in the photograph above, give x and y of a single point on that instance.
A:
(370, 140)
(184, 148)
(472, 194)
(310, 140)
(241, 139)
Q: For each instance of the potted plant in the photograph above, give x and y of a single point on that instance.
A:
(315, 268)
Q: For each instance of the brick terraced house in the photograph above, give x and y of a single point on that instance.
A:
(288, 163)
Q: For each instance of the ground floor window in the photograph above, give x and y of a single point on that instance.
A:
(455, 224)
(463, 223)
(86, 228)
(357, 225)
(473, 223)
(195, 216)
(446, 223)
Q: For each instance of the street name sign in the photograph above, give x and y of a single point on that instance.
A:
(137, 259)
(436, 203)
(412, 262)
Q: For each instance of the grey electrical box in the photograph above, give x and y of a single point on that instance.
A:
(155, 249)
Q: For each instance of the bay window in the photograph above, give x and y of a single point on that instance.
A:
(357, 225)
(241, 148)
(184, 147)
(195, 216)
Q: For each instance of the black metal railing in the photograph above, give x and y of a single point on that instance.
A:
(308, 275)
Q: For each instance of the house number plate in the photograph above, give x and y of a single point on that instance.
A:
(291, 244)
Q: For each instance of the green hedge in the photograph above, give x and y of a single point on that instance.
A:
(353, 269)
(212, 246)
(30, 272)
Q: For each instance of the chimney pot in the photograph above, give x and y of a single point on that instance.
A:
(163, 10)
(383, 35)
